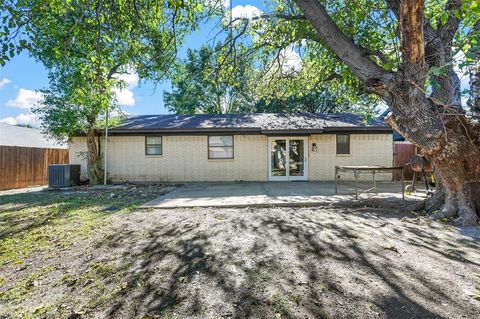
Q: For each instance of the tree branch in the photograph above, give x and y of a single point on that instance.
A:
(447, 31)
(438, 53)
(411, 30)
(278, 16)
(113, 70)
(374, 77)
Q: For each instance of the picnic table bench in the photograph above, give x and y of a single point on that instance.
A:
(369, 169)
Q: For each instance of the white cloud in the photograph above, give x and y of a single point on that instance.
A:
(22, 118)
(4, 82)
(291, 60)
(130, 78)
(25, 99)
(9, 120)
(244, 12)
(124, 95)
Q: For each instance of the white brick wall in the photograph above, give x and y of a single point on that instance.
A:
(77, 152)
(365, 149)
(185, 158)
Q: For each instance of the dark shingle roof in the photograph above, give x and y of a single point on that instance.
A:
(256, 122)
(11, 135)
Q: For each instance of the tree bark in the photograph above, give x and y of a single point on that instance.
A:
(95, 171)
(443, 134)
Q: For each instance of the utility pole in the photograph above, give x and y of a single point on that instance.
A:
(105, 149)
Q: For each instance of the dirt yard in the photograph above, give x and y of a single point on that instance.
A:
(231, 263)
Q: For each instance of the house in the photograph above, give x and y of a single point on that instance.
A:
(240, 147)
(403, 150)
(25, 154)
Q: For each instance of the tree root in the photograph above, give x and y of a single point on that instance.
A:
(416, 206)
(466, 213)
(444, 213)
(467, 216)
(449, 209)
(435, 202)
(457, 207)
(443, 206)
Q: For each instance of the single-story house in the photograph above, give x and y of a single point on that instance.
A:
(240, 147)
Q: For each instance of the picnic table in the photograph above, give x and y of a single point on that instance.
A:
(369, 169)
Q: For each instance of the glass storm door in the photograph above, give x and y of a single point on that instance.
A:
(287, 158)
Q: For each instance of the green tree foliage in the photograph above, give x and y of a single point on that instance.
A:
(232, 79)
(370, 24)
(85, 45)
(309, 90)
(249, 70)
(212, 81)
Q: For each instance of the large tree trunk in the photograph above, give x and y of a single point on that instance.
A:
(451, 143)
(456, 156)
(94, 166)
(433, 122)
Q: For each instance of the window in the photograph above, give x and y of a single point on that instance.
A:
(153, 145)
(220, 147)
(343, 143)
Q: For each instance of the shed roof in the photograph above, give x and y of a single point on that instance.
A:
(265, 123)
(11, 135)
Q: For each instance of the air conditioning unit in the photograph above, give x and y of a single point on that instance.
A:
(63, 175)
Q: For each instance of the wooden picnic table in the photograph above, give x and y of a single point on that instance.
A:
(369, 169)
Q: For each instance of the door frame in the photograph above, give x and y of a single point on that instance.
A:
(287, 176)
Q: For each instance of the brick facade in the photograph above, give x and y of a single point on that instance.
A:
(185, 158)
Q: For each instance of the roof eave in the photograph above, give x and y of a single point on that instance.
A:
(358, 129)
(253, 130)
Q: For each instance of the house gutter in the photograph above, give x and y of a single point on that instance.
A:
(247, 131)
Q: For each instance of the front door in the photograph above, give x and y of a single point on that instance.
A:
(287, 158)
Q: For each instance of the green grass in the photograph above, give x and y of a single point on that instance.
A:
(35, 222)
(22, 287)
(280, 304)
(36, 226)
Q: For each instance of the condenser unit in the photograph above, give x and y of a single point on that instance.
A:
(63, 175)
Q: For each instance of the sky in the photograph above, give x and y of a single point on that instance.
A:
(21, 77)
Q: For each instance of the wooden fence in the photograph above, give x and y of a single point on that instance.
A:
(402, 154)
(27, 166)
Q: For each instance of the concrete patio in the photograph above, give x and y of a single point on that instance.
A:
(245, 194)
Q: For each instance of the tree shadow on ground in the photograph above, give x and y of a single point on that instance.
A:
(291, 263)
(22, 213)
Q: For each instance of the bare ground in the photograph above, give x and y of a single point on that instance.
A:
(259, 263)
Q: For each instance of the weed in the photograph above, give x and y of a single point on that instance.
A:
(279, 303)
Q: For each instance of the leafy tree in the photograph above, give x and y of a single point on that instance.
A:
(211, 81)
(231, 80)
(85, 45)
(403, 51)
(309, 90)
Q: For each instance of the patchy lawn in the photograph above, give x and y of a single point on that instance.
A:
(90, 255)
(38, 228)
